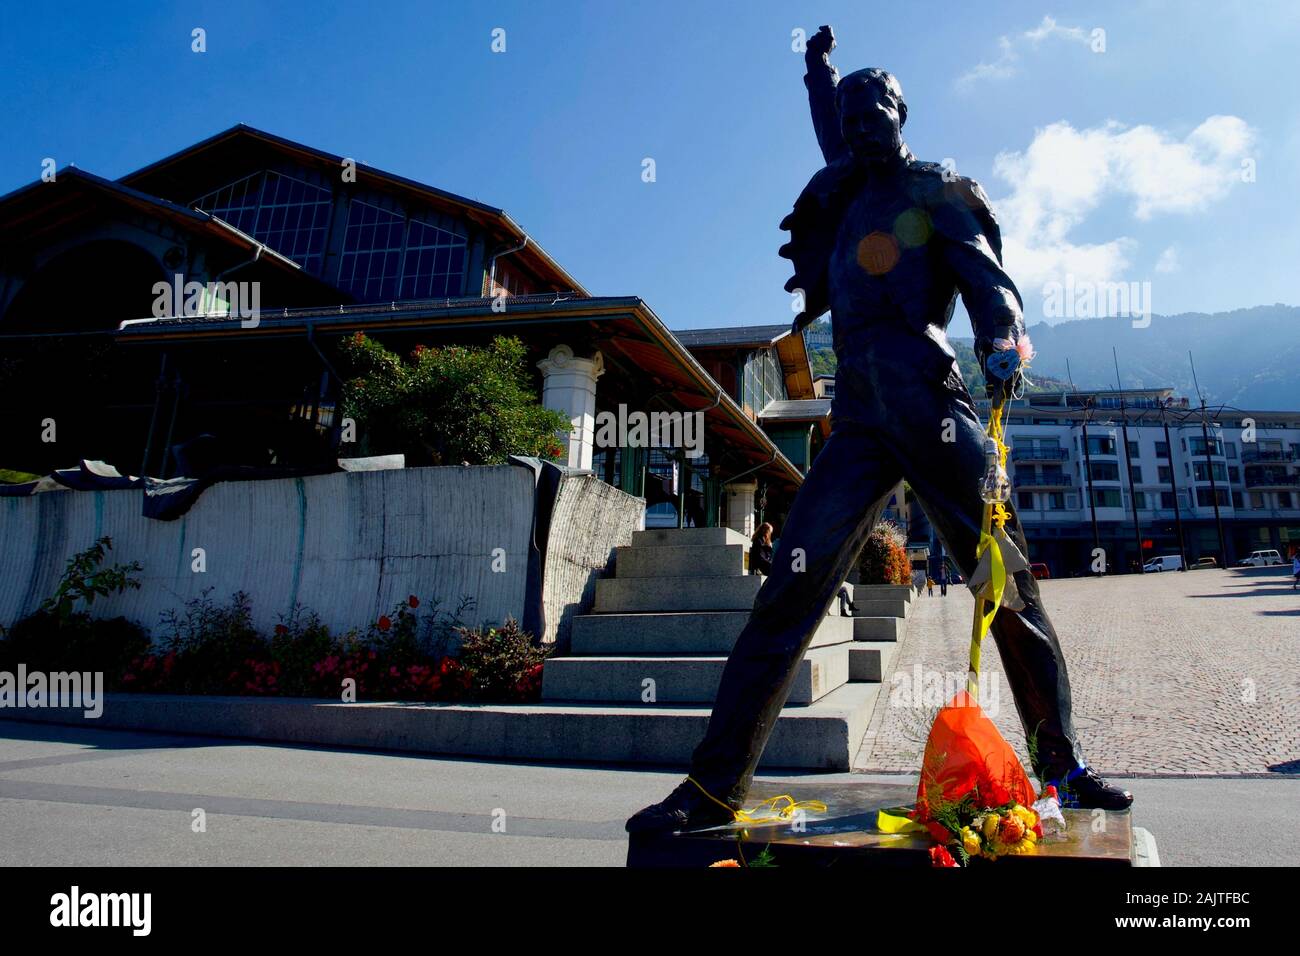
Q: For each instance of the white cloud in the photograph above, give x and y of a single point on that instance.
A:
(1168, 261)
(1007, 63)
(1065, 174)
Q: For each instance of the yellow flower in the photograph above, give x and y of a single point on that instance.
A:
(1031, 836)
(970, 841)
(1028, 816)
(990, 826)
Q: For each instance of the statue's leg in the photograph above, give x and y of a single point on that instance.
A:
(833, 512)
(945, 477)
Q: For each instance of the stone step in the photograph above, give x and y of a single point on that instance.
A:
(687, 537)
(689, 632)
(870, 592)
(878, 628)
(871, 660)
(822, 736)
(679, 680)
(825, 735)
(710, 560)
(621, 595)
(882, 607)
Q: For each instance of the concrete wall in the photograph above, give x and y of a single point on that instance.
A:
(347, 546)
(590, 519)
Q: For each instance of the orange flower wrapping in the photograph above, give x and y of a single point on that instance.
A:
(965, 754)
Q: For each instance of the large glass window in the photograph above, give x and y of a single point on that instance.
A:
(435, 263)
(1205, 499)
(372, 252)
(1101, 445)
(763, 380)
(1107, 498)
(1203, 474)
(1105, 471)
(289, 215)
(1197, 446)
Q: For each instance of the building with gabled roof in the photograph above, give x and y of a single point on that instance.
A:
(334, 247)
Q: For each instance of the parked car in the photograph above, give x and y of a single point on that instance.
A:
(1166, 562)
(1205, 563)
(1262, 559)
(1039, 570)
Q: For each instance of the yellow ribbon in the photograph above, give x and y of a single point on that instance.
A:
(990, 595)
(887, 822)
(792, 807)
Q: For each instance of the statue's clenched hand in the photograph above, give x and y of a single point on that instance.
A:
(820, 45)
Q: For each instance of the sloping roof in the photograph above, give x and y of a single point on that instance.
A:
(625, 327)
(735, 336)
(490, 217)
(797, 410)
(41, 207)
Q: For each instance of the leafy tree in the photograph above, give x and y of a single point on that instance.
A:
(447, 405)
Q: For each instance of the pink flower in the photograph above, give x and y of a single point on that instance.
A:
(1025, 348)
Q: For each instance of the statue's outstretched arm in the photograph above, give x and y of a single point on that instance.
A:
(972, 247)
(821, 79)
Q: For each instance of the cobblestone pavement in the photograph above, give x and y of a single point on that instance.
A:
(1178, 673)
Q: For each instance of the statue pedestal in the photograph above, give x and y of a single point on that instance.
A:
(846, 835)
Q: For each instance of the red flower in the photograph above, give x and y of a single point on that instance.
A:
(281, 630)
(384, 623)
(938, 831)
(359, 337)
(1050, 792)
(1038, 830)
(413, 601)
(939, 856)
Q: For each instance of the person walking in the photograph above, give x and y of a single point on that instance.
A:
(929, 586)
(943, 581)
(1295, 568)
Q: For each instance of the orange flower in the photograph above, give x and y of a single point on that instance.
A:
(725, 863)
(384, 622)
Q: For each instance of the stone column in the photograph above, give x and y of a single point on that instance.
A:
(569, 387)
(740, 506)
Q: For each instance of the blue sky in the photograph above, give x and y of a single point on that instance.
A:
(1115, 165)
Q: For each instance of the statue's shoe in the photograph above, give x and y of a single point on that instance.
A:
(1087, 790)
(686, 808)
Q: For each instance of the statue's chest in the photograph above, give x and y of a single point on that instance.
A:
(883, 240)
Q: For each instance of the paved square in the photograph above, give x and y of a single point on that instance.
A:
(1180, 673)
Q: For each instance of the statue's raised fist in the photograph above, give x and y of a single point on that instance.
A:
(822, 42)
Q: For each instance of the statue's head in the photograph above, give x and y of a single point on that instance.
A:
(872, 114)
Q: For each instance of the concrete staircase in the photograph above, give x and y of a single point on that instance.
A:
(645, 664)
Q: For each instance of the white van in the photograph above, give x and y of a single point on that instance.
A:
(1166, 562)
(1262, 559)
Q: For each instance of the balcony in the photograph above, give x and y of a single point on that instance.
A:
(1030, 480)
(1271, 479)
(1251, 457)
(1038, 454)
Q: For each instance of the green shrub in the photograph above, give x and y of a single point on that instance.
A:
(58, 637)
(501, 663)
(46, 642)
(442, 406)
(210, 644)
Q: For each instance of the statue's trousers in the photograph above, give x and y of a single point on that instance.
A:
(897, 415)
